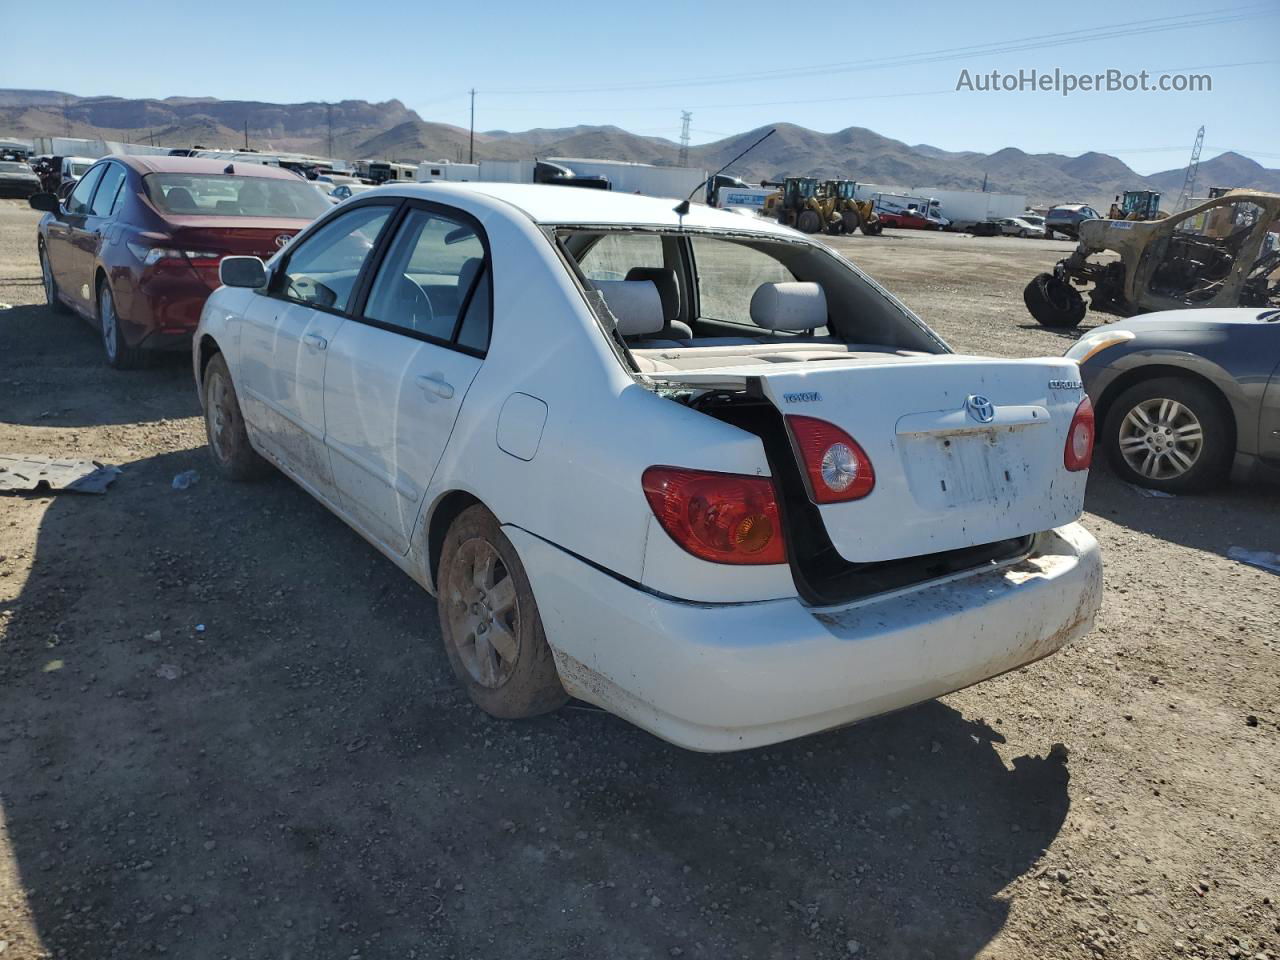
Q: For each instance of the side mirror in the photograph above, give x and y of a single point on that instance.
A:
(44, 202)
(247, 272)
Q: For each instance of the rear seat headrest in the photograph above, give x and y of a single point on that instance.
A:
(668, 289)
(635, 304)
(789, 306)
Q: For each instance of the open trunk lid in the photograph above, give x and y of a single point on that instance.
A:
(946, 477)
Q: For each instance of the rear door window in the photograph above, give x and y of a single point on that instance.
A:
(104, 201)
(615, 253)
(433, 281)
(80, 200)
(729, 275)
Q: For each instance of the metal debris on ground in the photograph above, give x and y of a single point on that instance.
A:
(186, 479)
(25, 472)
(1263, 559)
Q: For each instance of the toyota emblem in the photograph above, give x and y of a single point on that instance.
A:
(282, 239)
(980, 408)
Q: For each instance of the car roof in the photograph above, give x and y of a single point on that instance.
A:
(158, 163)
(553, 204)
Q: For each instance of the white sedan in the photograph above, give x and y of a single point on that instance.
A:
(693, 468)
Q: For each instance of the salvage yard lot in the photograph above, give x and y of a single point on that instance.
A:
(228, 727)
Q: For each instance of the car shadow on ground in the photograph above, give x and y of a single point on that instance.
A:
(227, 728)
(1239, 514)
(55, 375)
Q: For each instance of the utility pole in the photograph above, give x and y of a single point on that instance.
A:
(1193, 168)
(685, 117)
(471, 147)
(329, 107)
(246, 132)
(66, 119)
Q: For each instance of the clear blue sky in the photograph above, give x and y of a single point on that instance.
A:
(734, 65)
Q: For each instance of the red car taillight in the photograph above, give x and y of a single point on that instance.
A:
(721, 517)
(837, 467)
(1078, 453)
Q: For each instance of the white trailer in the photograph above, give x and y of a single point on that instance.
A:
(650, 180)
(448, 170)
(751, 198)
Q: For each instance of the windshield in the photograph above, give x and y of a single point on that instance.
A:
(14, 167)
(233, 196)
(80, 169)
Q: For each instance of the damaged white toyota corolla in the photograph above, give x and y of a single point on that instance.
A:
(697, 470)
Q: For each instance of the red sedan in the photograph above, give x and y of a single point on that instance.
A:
(135, 248)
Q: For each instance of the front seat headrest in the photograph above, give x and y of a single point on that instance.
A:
(668, 289)
(789, 306)
(635, 304)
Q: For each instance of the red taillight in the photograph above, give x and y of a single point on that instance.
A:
(837, 467)
(721, 517)
(1078, 453)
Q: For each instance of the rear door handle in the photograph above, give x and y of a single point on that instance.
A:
(436, 385)
(315, 340)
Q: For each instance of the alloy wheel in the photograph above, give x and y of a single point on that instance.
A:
(484, 613)
(1161, 438)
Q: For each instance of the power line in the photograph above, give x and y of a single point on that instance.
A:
(1033, 42)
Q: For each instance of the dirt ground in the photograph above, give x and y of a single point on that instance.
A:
(311, 784)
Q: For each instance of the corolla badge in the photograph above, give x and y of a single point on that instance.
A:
(980, 408)
(282, 239)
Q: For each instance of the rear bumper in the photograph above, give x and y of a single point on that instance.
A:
(163, 311)
(731, 676)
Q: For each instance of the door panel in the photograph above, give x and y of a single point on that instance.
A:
(66, 242)
(390, 402)
(282, 364)
(285, 340)
(397, 376)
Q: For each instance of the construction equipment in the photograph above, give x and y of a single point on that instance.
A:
(1216, 254)
(797, 205)
(848, 213)
(1137, 205)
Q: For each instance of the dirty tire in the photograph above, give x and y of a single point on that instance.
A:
(851, 221)
(872, 229)
(1211, 462)
(809, 222)
(50, 285)
(1023, 234)
(224, 426)
(118, 353)
(1053, 302)
(483, 594)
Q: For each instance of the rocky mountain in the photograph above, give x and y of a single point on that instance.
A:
(357, 129)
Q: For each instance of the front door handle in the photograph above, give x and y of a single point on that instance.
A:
(315, 340)
(437, 385)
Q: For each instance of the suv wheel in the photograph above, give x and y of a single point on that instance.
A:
(490, 623)
(1169, 434)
